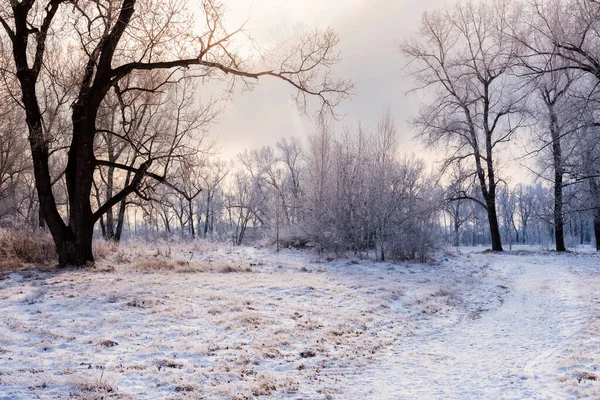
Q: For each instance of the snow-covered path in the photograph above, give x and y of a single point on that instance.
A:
(507, 353)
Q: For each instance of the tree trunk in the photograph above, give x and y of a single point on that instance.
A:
(597, 228)
(191, 219)
(208, 200)
(75, 250)
(457, 223)
(122, 208)
(559, 235)
(595, 192)
(75, 246)
(103, 227)
(494, 227)
(121, 218)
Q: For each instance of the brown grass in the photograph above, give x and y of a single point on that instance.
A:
(157, 264)
(19, 247)
(102, 248)
(154, 264)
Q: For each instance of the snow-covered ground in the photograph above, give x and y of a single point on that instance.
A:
(206, 321)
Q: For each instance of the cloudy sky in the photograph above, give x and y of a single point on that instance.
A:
(368, 31)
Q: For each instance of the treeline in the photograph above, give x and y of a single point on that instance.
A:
(340, 190)
(500, 75)
(337, 190)
(526, 217)
(112, 140)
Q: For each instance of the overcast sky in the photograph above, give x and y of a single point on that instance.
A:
(368, 31)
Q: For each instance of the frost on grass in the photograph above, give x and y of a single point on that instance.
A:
(579, 362)
(216, 322)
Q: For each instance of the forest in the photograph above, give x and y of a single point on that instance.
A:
(104, 132)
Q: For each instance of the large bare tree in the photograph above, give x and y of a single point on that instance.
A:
(568, 30)
(106, 42)
(462, 59)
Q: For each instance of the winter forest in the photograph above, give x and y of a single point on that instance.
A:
(123, 147)
(111, 162)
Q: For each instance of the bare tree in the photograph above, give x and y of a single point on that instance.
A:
(463, 59)
(557, 111)
(212, 178)
(14, 163)
(455, 203)
(245, 204)
(318, 192)
(290, 154)
(111, 41)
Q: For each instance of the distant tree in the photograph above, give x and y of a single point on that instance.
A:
(245, 204)
(212, 177)
(456, 201)
(14, 161)
(318, 192)
(290, 154)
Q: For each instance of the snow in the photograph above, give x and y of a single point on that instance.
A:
(211, 321)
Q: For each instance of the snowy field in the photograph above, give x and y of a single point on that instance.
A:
(207, 321)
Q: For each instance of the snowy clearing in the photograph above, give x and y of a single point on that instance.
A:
(208, 321)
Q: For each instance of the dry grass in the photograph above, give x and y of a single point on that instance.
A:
(94, 388)
(18, 248)
(10, 264)
(154, 265)
(160, 264)
(102, 248)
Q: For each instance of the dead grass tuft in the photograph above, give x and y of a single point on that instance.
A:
(90, 388)
(102, 248)
(154, 264)
(11, 264)
(265, 386)
(108, 343)
(169, 364)
(18, 247)
(226, 269)
(185, 388)
(585, 376)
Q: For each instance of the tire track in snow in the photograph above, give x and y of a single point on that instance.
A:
(507, 353)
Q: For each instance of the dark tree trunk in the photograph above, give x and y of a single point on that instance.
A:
(76, 247)
(120, 220)
(597, 228)
(457, 224)
(208, 200)
(191, 219)
(75, 250)
(456, 241)
(494, 226)
(595, 192)
(559, 235)
(488, 189)
(103, 227)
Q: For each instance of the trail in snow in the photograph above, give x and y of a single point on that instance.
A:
(507, 353)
